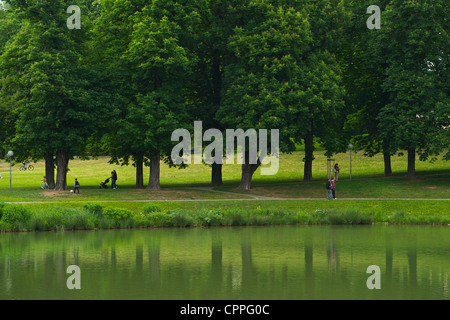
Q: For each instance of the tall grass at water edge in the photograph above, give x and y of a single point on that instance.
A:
(15, 217)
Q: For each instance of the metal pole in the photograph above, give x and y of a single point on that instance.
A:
(9, 173)
(10, 154)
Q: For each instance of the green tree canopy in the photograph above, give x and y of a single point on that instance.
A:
(414, 42)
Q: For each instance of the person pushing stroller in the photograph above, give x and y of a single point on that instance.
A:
(114, 179)
(103, 184)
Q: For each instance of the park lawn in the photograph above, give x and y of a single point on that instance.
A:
(193, 183)
(423, 187)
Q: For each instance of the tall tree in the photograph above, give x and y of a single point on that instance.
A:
(59, 100)
(414, 42)
(218, 19)
(9, 26)
(111, 37)
(323, 103)
(363, 79)
(160, 53)
(264, 81)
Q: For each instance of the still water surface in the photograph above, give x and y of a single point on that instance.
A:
(276, 262)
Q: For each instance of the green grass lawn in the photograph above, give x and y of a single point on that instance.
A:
(432, 182)
(425, 198)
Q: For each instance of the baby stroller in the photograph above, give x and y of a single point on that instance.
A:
(103, 184)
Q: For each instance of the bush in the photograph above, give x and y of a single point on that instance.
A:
(15, 214)
(62, 218)
(2, 205)
(74, 218)
(118, 214)
(95, 208)
(159, 219)
(150, 208)
(180, 219)
(235, 218)
(303, 217)
(349, 216)
(319, 215)
(209, 217)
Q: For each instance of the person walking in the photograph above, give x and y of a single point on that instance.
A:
(76, 186)
(328, 187)
(113, 179)
(333, 188)
(336, 171)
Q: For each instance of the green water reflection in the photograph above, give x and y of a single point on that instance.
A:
(279, 262)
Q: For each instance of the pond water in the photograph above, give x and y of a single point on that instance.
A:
(254, 263)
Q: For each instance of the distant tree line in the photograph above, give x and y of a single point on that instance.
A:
(137, 70)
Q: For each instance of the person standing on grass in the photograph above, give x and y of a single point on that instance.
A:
(113, 179)
(328, 187)
(333, 188)
(76, 187)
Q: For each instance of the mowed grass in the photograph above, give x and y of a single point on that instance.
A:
(378, 207)
(186, 193)
(193, 183)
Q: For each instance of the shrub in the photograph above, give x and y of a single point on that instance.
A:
(2, 205)
(159, 219)
(319, 215)
(117, 214)
(399, 216)
(180, 219)
(349, 216)
(74, 218)
(260, 219)
(153, 219)
(234, 218)
(303, 217)
(95, 208)
(62, 218)
(46, 219)
(209, 217)
(150, 208)
(15, 213)
(4, 226)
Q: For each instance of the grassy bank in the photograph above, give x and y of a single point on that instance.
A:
(187, 199)
(16, 217)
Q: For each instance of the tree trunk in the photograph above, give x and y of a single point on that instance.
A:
(387, 164)
(411, 172)
(216, 174)
(153, 181)
(247, 172)
(216, 169)
(309, 155)
(62, 160)
(139, 171)
(50, 169)
(387, 159)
